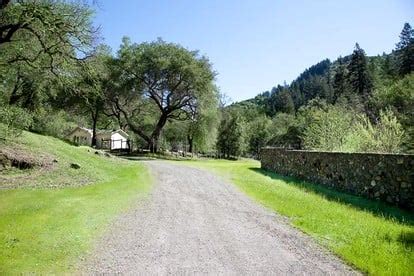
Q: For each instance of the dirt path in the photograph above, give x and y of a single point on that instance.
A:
(193, 222)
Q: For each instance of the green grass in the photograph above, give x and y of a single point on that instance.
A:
(94, 167)
(47, 230)
(371, 236)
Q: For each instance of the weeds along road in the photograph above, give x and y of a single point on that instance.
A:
(194, 222)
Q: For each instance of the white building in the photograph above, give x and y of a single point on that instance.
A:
(105, 139)
(112, 140)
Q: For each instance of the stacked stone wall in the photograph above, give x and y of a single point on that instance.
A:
(386, 177)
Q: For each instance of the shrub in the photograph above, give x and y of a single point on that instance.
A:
(285, 131)
(231, 140)
(13, 120)
(327, 128)
(258, 134)
(386, 136)
(53, 123)
(399, 97)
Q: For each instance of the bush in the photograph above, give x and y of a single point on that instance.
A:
(327, 128)
(286, 131)
(13, 120)
(50, 122)
(258, 134)
(336, 128)
(231, 140)
(386, 136)
(399, 97)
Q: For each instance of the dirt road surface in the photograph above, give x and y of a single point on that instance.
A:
(195, 223)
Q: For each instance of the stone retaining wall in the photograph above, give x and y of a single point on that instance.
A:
(386, 177)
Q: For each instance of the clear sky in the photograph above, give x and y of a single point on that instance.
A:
(257, 44)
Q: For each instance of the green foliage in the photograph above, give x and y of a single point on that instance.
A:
(283, 102)
(326, 128)
(13, 120)
(336, 128)
(49, 32)
(386, 136)
(405, 50)
(359, 78)
(340, 84)
(41, 42)
(231, 140)
(285, 131)
(258, 134)
(202, 129)
(399, 97)
(169, 81)
(55, 123)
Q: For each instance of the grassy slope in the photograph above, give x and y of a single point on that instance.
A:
(374, 243)
(47, 230)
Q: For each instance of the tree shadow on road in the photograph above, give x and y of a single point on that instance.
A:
(149, 157)
(377, 208)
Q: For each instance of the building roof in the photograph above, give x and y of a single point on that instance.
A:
(81, 128)
(121, 132)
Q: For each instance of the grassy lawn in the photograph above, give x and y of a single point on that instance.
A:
(371, 236)
(45, 230)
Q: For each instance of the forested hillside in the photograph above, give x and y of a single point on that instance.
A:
(355, 103)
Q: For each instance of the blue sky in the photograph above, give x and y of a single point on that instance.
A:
(255, 45)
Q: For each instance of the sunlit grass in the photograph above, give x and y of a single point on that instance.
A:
(48, 230)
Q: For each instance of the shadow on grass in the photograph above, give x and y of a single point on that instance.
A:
(407, 238)
(377, 208)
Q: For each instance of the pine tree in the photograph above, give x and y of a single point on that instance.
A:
(359, 79)
(339, 81)
(405, 51)
(283, 102)
(388, 65)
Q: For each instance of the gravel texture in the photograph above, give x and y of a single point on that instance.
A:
(195, 223)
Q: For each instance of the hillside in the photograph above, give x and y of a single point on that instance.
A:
(54, 156)
(54, 213)
(316, 81)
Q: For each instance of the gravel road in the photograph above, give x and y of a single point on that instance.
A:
(195, 223)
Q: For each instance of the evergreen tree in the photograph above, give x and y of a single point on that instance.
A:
(283, 102)
(339, 80)
(388, 65)
(359, 79)
(405, 50)
(297, 95)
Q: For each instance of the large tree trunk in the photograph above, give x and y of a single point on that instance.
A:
(155, 136)
(94, 123)
(190, 143)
